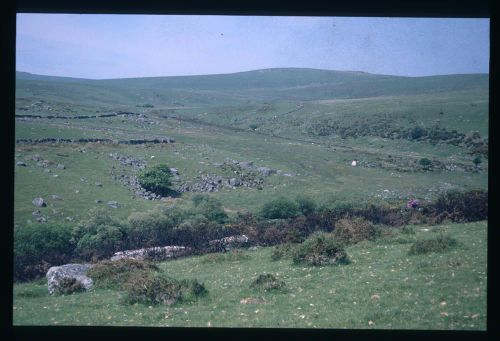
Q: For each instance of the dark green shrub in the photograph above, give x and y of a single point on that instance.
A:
(351, 231)
(425, 162)
(477, 161)
(209, 207)
(253, 126)
(156, 179)
(306, 205)
(337, 209)
(99, 236)
(280, 208)
(156, 289)
(154, 227)
(268, 282)
(440, 243)
(196, 232)
(69, 286)
(320, 249)
(38, 247)
(109, 274)
(417, 133)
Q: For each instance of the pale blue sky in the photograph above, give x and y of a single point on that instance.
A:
(119, 46)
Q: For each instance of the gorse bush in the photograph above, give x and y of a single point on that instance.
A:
(156, 289)
(38, 247)
(351, 231)
(280, 208)
(156, 179)
(109, 274)
(440, 243)
(320, 249)
(268, 282)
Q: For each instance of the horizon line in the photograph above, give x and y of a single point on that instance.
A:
(253, 70)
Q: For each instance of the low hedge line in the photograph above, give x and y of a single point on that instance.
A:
(37, 247)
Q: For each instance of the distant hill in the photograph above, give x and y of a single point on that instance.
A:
(268, 84)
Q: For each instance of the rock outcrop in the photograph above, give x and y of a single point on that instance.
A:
(78, 272)
(227, 243)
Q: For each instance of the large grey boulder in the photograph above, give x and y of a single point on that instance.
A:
(39, 202)
(71, 271)
(158, 253)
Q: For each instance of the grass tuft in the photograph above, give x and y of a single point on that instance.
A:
(440, 243)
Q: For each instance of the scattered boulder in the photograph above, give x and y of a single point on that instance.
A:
(57, 275)
(21, 164)
(245, 164)
(37, 213)
(227, 243)
(97, 201)
(98, 184)
(56, 197)
(113, 204)
(61, 166)
(234, 182)
(153, 253)
(39, 202)
(41, 219)
(266, 171)
(252, 300)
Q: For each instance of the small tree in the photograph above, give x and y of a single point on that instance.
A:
(477, 160)
(156, 179)
(280, 208)
(425, 162)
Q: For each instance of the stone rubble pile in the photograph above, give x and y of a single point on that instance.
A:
(153, 253)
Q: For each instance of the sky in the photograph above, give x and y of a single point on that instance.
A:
(125, 46)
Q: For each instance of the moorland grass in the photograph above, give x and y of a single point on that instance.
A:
(382, 284)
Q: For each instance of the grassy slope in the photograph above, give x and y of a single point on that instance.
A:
(271, 84)
(412, 290)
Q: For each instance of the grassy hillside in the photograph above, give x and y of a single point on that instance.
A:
(269, 84)
(432, 291)
(271, 133)
(411, 138)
